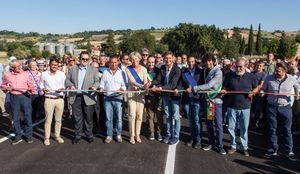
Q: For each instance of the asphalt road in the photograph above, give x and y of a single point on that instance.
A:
(148, 157)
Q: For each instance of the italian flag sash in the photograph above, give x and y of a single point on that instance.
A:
(210, 109)
(149, 76)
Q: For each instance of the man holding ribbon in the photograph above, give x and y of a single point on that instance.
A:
(244, 85)
(213, 82)
(83, 78)
(112, 80)
(191, 77)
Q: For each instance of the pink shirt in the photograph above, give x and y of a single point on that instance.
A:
(19, 82)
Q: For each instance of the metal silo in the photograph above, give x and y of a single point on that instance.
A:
(69, 48)
(60, 49)
(50, 47)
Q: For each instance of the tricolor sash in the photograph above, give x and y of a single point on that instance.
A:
(210, 109)
(135, 75)
(149, 76)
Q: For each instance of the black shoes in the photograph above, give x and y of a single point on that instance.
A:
(16, 141)
(90, 140)
(76, 140)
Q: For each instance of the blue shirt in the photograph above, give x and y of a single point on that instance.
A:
(245, 83)
(81, 75)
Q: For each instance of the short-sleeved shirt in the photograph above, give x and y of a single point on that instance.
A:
(245, 83)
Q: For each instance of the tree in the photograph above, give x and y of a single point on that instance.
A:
(297, 38)
(35, 52)
(138, 40)
(258, 46)
(21, 53)
(109, 47)
(231, 49)
(242, 46)
(89, 46)
(46, 53)
(250, 49)
(287, 47)
(160, 48)
(194, 39)
(273, 46)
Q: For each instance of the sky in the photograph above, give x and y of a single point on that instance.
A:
(71, 16)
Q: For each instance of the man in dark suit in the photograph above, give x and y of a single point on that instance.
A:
(83, 77)
(193, 76)
(168, 79)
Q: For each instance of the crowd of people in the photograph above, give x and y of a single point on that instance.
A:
(98, 92)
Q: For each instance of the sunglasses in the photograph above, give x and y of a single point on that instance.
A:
(71, 60)
(85, 59)
(145, 54)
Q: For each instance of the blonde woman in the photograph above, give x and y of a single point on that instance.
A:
(137, 79)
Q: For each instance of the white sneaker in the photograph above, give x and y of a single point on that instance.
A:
(59, 140)
(46, 142)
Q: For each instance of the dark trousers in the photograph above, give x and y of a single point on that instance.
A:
(280, 116)
(21, 103)
(83, 115)
(217, 122)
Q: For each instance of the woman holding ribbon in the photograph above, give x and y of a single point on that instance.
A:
(137, 80)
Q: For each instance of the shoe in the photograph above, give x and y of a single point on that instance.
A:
(159, 137)
(166, 140)
(46, 142)
(151, 137)
(271, 152)
(90, 139)
(59, 140)
(76, 140)
(29, 140)
(16, 141)
(291, 156)
(132, 140)
(231, 151)
(207, 148)
(119, 139)
(174, 141)
(221, 151)
(189, 143)
(197, 145)
(245, 152)
(108, 140)
(138, 139)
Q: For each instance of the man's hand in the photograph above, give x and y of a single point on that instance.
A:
(156, 89)
(176, 91)
(45, 90)
(251, 94)
(189, 90)
(101, 90)
(223, 92)
(72, 88)
(121, 89)
(262, 93)
(59, 90)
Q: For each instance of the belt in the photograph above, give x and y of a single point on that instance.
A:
(58, 97)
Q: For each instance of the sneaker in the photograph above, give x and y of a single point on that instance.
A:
(221, 151)
(231, 151)
(197, 145)
(245, 152)
(16, 141)
(159, 137)
(174, 141)
(46, 142)
(119, 139)
(207, 148)
(167, 140)
(291, 156)
(29, 140)
(59, 140)
(108, 140)
(151, 137)
(189, 143)
(271, 152)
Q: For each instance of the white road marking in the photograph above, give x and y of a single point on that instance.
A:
(12, 134)
(170, 164)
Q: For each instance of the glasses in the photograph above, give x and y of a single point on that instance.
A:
(71, 60)
(145, 54)
(239, 67)
(85, 59)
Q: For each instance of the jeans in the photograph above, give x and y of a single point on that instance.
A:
(113, 112)
(18, 103)
(280, 116)
(192, 109)
(217, 122)
(243, 117)
(171, 108)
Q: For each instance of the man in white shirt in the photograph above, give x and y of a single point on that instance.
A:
(112, 80)
(52, 81)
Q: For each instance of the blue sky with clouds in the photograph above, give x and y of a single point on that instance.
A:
(70, 16)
